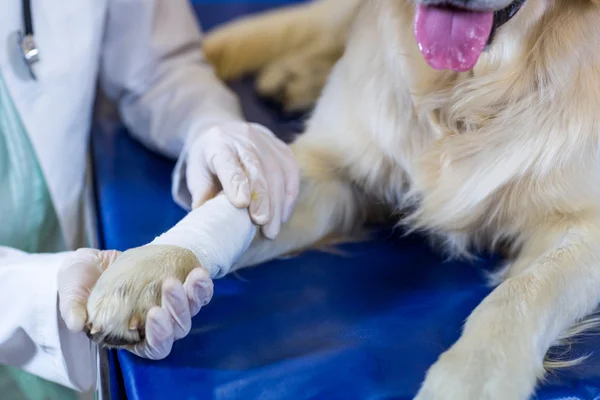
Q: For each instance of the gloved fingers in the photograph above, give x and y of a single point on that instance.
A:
(259, 199)
(205, 194)
(226, 164)
(201, 182)
(76, 277)
(107, 257)
(175, 302)
(199, 289)
(291, 181)
(74, 313)
(276, 197)
(285, 161)
(72, 300)
(159, 336)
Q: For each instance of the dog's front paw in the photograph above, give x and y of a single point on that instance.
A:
(478, 375)
(131, 286)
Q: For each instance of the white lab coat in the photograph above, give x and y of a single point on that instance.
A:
(147, 56)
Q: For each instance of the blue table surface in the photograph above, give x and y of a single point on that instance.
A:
(365, 324)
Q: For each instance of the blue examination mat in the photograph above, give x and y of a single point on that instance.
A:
(363, 324)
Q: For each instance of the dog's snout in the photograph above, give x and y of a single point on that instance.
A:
(473, 5)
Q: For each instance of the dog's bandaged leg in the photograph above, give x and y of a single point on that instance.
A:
(212, 237)
(217, 233)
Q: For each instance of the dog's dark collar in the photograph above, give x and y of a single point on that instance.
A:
(503, 16)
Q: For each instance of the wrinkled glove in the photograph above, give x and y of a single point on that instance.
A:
(251, 165)
(165, 324)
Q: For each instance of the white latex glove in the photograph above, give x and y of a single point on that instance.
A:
(165, 324)
(251, 165)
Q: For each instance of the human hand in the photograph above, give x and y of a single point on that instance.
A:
(252, 166)
(164, 324)
(76, 278)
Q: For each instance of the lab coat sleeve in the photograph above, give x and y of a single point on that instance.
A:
(33, 337)
(154, 69)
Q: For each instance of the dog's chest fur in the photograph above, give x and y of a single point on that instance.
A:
(485, 156)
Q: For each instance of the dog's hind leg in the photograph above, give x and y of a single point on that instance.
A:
(247, 45)
(501, 352)
(297, 79)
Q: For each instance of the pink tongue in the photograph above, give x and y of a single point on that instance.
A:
(452, 39)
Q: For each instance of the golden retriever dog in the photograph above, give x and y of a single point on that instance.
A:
(475, 120)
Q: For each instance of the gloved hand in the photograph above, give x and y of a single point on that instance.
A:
(180, 302)
(253, 167)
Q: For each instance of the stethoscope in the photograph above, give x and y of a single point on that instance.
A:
(26, 40)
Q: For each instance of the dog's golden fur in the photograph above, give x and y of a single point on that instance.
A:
(506, 153)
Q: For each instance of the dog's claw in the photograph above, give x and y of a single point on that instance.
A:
(134, 323)
(95, 330)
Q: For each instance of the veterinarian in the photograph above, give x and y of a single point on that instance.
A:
(146, 56)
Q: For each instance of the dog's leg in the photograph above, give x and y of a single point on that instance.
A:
(292, 48)
(501, 351)
(245, 45)
(296, 80)
(129, 288)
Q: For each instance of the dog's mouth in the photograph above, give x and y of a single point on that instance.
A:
(452, 38)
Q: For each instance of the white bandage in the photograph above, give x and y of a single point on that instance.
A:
(217, 233)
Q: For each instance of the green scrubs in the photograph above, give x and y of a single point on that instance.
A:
(29, 223)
